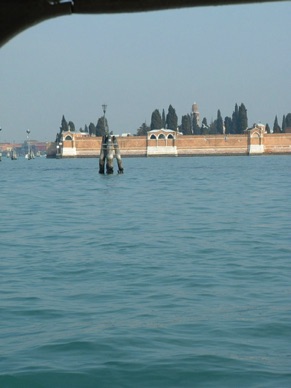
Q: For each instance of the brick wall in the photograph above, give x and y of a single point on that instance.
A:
(212, 144)
(186, 145)
(132, 145)
(276, 143)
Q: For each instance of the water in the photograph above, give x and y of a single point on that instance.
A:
(175, 274)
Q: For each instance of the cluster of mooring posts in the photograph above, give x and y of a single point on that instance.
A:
(109, 150)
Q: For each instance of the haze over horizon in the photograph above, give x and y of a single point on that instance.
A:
(136, 63)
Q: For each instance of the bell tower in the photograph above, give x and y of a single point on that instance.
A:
(195, 113)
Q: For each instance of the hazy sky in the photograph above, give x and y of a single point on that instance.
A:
(135, 63)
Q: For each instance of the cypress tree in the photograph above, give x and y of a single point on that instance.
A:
(276, 126)
(156, 120)
(219, 123)
(71, 126)
(234, 120)
(213, 127)
(92, 129)
(242, 119)
(288, 120)
(64, 125)
(172, 119)
(204, 127)
(102, 126)
(284, 124)
(228, 125)
(186, 125)
(267, 128)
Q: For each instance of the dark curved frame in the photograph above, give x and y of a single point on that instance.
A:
(17, 15)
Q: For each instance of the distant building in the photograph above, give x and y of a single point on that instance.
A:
(161, 142)
(195, 113)
(256, 139)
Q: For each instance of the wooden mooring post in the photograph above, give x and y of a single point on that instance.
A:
(109, 150)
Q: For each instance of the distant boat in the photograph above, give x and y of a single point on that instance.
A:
(29, 155)
(13, 155)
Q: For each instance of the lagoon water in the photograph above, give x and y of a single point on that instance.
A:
(175, 274)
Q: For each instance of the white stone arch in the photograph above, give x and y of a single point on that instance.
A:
(256, 140)
(68, 137)
(257, 135)
(164, 144)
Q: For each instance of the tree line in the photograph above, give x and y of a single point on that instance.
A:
(190, 124)
(237, 123)
(286, 123)
(99, 129)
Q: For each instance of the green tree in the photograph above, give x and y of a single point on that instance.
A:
(172, 119)
(64, 125)
(228, 125)
(213, 127)
(276, 126)
(156, 120)
(71, 126)
(284, 124)
(92, 129)
(142, 130)
(163, 119)
(288, 120)
(102, 126)
(219, 123)
(186, 125)
(242, 122)
(204, 127)
(234, 120)
(267, 128)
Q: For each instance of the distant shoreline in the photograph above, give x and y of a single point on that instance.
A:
(170, 143)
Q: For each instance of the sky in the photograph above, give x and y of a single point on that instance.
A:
(136, 63)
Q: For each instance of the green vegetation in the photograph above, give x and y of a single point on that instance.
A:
(237, 123)
(172, 119)
(93, 130)
(276, 126)
(156, 120)
(190, 122)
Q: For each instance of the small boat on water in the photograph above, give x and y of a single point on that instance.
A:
(13, 155)
(29, 155)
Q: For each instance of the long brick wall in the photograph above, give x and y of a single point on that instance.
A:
(212, 145)
(133, 145)
(277, 143)
(83, 146)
